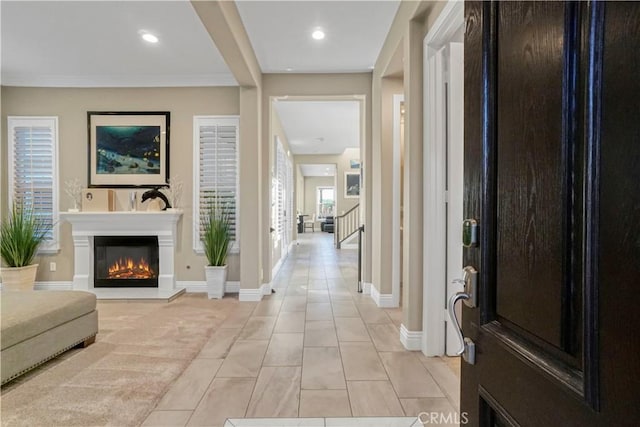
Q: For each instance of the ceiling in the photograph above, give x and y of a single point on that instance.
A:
(324, 170)
(97, 44)
(280, 33)
(320, 127)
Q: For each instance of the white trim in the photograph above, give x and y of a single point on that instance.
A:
(411, 340)
(366, 288)
(455, 205)
(276, 268)
(382, 300)
(396, 268)
(53, 286)
(192, 286)
(232, 287)
(250, 295)
(197, 286)
(266, 289)
(450, 21)
(447, 24)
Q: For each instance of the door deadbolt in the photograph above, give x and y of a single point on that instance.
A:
(469, 233)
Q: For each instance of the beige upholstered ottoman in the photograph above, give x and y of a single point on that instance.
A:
(39, 325)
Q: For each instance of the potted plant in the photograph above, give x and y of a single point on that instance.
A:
(216, 237)
(21, 232)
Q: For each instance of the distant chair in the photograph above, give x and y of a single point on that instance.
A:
(310, 223)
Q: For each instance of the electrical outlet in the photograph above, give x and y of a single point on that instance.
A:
(52, 266)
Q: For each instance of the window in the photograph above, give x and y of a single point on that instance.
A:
(215, 171)
(33, 171)
(326, 201)
(282, 193)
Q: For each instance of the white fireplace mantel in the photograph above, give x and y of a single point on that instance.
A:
(86, 225)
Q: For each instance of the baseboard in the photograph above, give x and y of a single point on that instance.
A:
(276, 269)
(196, 286)
(366, 288)
(411, 340)
(53, 286)
(266, 289)
(250, 295)
(382, 300)
(192, 286)
(232, 287)
(349, 246)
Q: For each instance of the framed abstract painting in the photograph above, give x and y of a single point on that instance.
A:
(128, 149)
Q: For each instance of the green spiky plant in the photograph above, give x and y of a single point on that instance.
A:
(216, 235)
(21, 232)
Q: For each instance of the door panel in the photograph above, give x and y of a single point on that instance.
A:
(530, 172)
(552, 173)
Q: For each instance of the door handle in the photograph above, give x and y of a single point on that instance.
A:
(468, 349)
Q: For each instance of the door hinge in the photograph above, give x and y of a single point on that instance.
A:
(446, 197)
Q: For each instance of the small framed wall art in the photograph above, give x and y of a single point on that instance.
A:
(351, 185)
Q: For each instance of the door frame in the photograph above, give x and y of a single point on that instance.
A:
(449, 22)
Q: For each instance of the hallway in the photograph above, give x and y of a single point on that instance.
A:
(315, 348)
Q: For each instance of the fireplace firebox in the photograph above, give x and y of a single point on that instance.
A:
(125, 261)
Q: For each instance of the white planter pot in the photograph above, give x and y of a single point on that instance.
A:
(216, 278)
(19, 278)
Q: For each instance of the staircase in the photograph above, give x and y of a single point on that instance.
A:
(347, 225)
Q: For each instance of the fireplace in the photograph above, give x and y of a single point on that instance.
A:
(125, 261)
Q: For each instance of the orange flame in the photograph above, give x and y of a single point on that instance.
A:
(128, 269)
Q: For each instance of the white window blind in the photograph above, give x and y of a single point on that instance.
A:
(33, 171)
(215, 171)
(289, 192)
(281, 175)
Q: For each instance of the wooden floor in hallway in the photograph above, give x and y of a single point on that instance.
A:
(316, 348)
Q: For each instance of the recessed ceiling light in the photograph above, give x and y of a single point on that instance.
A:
(148, 37)
(318, 34)
(289, 69)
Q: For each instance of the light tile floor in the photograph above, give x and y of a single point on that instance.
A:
(315, 353)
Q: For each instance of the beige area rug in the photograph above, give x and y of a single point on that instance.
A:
(141, 348)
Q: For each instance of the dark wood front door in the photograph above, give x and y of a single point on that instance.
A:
(552, 175)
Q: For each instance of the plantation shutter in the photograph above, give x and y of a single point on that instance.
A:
(217, 176)
(281, 176)
(33, 170)
(289, 223)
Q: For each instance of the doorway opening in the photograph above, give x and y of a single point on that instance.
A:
(443, 190)
(322, 137)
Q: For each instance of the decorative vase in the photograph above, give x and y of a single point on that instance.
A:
(216, 278)
(19, 278)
